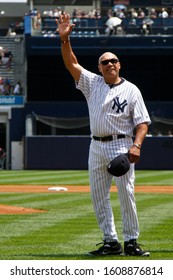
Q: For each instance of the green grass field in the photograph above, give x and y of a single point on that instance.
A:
(69, 229)
(79, 178)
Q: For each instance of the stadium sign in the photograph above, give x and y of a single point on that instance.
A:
(12, 100)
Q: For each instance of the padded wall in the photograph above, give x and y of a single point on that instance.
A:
(71, 152)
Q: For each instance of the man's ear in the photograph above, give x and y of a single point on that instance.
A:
(99, 68)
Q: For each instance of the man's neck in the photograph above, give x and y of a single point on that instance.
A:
(115, 82)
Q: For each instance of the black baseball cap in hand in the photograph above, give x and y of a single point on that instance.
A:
(119, 166)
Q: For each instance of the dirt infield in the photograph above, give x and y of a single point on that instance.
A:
(7, 209)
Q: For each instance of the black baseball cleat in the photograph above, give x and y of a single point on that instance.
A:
(132, 248)
(108, 248)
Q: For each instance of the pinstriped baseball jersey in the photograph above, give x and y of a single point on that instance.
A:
(110, 108)
(115, 110)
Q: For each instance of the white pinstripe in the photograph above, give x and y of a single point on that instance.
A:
(106, 119)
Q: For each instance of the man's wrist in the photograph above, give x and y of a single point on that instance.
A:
(65, 41)
(137, 145)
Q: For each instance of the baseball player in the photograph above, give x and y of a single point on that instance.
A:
(116, 109)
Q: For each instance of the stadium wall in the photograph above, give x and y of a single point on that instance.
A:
(71, 153)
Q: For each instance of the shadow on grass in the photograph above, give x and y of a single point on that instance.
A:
(74, 257)
(57, 256)
(154, 254)
(162, 251)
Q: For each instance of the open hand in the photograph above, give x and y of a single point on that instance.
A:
(64, 26)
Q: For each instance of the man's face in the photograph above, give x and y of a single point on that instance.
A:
(109, 65)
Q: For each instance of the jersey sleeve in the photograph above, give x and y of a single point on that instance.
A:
(86, 81)
(140, 112)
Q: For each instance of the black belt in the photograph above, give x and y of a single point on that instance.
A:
(109, 138)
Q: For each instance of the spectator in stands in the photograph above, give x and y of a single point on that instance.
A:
(50, 12)
(7, 58)
(163, 13)
(1, 54)
(109, 13)
(37, 20)
(18, 88)
(147, 26)
(76, 13)
(152, 13)
(134, 13)
(83, 14)
(141, 14)
(11, 32)
(57, 12)
(112, 24)
(94, 14)
(120, 13)
(1, 86)
(7, 86)
(132, 22)
(97, 14)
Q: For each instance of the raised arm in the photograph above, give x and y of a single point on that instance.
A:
(71, 63)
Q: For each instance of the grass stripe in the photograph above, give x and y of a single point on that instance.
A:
(77, 177)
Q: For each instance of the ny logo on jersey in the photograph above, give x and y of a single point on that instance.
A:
(120, 106)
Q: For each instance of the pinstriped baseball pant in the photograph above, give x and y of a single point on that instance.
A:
(100, 154)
